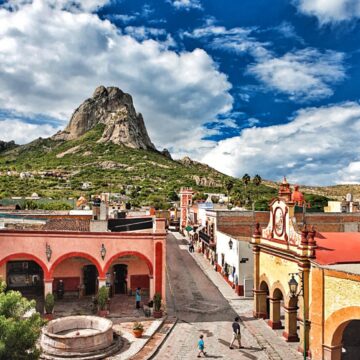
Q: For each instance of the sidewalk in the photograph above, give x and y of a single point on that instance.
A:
(275, 346)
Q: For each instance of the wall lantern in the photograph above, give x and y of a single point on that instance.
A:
(230, 244)
(103, 251)
(48, 252)
(293, 286)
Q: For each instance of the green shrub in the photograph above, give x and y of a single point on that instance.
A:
(49, 303)
(103, 297)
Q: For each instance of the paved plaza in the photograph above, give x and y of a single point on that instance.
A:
(201, 309)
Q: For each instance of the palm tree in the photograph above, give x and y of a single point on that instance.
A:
(229, 184)
(246, 179)
(256, 181)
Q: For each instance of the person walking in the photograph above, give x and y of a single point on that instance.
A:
(138, 297)
(201, 346)
(236, 333)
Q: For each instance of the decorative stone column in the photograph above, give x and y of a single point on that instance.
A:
(274, 321)
(290, 332)
(48, 286)
(260, 310)
(101, 281)
(304, 301)
(332, 352)
(151, 289)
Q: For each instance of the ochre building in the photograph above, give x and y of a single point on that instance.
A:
(323, 314)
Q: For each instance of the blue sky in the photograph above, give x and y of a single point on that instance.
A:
(245, 86)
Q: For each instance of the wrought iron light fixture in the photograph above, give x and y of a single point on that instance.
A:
(48, 252)
(103, 251)
(293, 286)
(230, 244)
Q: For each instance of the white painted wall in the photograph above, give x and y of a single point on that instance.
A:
(240, 249)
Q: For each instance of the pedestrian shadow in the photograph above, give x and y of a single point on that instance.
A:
(209, 356)
(243, 350)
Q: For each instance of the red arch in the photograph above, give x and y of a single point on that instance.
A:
(76, 254)
(125, 253)
(28, 257)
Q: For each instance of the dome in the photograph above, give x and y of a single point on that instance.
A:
(297, 196)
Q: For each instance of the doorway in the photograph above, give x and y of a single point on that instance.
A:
(90, 279)
(120, 279)
(351, 341)
(26, 277)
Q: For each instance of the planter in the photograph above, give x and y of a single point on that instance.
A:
(102, 313)
(49, 316)
(157, 314)
(138, 333)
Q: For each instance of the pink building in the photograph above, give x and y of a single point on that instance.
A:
(35, 261)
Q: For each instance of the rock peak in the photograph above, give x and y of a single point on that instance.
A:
(113, 108)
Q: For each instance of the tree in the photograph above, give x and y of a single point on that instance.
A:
(257, 180)
(18, 335)
(246, 179)
(229, 184)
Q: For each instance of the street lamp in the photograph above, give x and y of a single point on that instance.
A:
(293, 287)
(48, 252)
(103, 251)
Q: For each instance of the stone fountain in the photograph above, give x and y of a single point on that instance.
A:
(79, 337)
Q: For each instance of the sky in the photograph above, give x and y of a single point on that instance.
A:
(251, 86)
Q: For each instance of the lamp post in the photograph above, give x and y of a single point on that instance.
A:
(293, 287)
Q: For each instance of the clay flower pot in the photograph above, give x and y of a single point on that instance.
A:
(138, 333)
(157, 314)
(49, 317)
(102, 313)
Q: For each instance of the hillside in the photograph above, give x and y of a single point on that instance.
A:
(59, 169)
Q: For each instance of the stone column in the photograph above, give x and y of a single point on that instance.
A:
(48, 286)
(332, 352)
(260, 310)
(258, 294)
(274, 321)
(151, 289)
(101, 281)
(290, 332)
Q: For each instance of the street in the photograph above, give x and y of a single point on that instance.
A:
(201, 309)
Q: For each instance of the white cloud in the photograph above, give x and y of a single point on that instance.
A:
(186, 4)
(330, 11)
(52, 59)
(303, 75)
(22, 132)
(350, 174)
(316, 147)
(238, 40)
(73, 5)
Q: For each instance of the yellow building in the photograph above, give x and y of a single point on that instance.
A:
(304, 274)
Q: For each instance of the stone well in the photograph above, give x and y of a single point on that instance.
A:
(79, 337)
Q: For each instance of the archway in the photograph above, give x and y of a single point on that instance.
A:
(263, 302)
(337, 331)
(351, 341)
(75, 275)
(275, 309)
(126, 271)
(26, 256)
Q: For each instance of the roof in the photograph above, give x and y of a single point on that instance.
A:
(348, 268)
(67, 225)
(337, 248)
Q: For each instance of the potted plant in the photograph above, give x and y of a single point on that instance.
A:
(49, 306)
(102, 301)
(138, 329)
(157, 306)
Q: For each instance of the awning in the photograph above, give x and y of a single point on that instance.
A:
(200, 228)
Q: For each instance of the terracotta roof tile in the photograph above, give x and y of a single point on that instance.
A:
(67, 225)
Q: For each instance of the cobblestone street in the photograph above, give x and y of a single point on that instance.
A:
(201, 309)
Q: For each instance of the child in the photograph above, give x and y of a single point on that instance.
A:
(201, 346)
